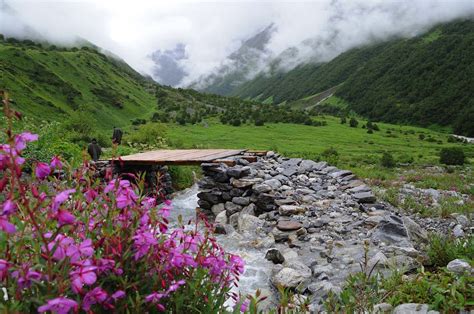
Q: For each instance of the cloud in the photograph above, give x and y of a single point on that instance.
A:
(211, 31)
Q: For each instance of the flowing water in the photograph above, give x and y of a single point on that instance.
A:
(257, 268)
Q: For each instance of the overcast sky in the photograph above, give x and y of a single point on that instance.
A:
(211, 30)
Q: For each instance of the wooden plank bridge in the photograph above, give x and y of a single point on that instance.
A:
(185, 156)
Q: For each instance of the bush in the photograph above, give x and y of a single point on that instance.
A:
(387, 160)
(443, 249)
(343, 120)
(452, 156)
(259, 122)
(150, 133)
(421, 137)
(330, 155)
(77, 244)
(369, 131)
(353, 123)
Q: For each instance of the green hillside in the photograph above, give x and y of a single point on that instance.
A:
(49, 82)
(424, 80)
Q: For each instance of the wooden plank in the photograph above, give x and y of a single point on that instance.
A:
(179, 156)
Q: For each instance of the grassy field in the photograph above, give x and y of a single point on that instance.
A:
(352, 144)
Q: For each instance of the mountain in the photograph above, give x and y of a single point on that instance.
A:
(423, 80)
(238, 66)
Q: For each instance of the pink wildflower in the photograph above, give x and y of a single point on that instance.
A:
(60, 245)
(142, 241)
(25, 277)
(175, 286)
(237, 263)
(65, 217)
(42, 170)
(118, 295)
(95, 296)
(75, 252)
(90, 195)
(23, 138)
(154, 297)
(4, 265)
(59, 305)
(6, 226)
(56, 163)
(61, 198)
(9, 208)
(83, 275)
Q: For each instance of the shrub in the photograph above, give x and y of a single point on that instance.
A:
(330, 155)
(387, 160)
(421, 137)
(150, 133)
(452, 156)
(343, 120)
(369, 131)
(375, 127)
(75, 244)
(259, 122)
(353, 123)
(443, 249)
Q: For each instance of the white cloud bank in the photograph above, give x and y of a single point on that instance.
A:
(211, 30)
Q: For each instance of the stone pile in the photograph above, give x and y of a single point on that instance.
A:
(314, 221)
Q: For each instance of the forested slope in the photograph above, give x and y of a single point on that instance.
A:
(424, 80)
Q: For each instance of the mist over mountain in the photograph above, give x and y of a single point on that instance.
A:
(240, 65)
(167, 70)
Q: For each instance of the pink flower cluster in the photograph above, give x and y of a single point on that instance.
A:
(77, 243)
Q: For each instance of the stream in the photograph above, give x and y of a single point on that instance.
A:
(257, 268)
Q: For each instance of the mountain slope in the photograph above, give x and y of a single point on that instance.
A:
(239, 65)
(48, 82)
(423, 80)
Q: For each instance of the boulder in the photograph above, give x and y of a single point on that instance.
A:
(249, 210)
(458, 232)
(415, 232)
(238, 172)
(248, 223)
(340, 173)
(217, 209)
(275, 256)
(221, 218)
(289, 278)
(307, 166)
(320, 165)
(459, 266)
(212, 197)
(382, 308)
(392, 231)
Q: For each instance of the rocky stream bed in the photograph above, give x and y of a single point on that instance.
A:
(305, 225)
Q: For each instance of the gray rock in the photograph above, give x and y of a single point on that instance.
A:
(411, 308)
(273, 183)
(320, 165)
(234, 192)
(382, 308)
(458, 232)
(242, 201)
(289, 225)
(463, 220)
(217, 209)
(238, 172)
(288, 210)
(265, 202)
(249, 210)
(234, 220)
(459, 266)
(232, 208)
(213, 197)
(281, 236)
(289, 278)
(221, 218)
(290, 171)
(275, 256)
(321, 289)
(415, 232)
(340, 173)
(364, 197)
(261, 188)
(248, 223)
(292, 162)
(245, 182)
(392, 231)
(307, 166)
(358, 189)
